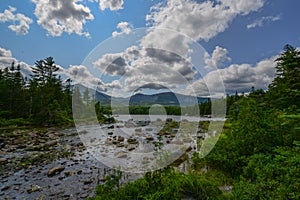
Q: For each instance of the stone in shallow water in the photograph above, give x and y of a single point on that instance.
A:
(121, 154)
(55, 170)
(132, 141)
(121, 139)
(149, 137)
(3, 160)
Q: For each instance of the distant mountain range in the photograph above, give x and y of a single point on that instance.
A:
(165, 98)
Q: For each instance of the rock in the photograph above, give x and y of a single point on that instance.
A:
(111, 127)
(87, 182)
(129, 125)
(83, 196)
(110, 133)
(130, 148)
(103, 179)
(69, 173)
(51, 135)
(51, 143)
(11, 148)
(121, 139)
(3, 160)
(138, 130)
(55, 170)
(92, 140)
(132, 141)
(187, 140)
(121, 154)
(168, 120)
(120, 145)
(149, 137)
(189, 149)
(149, 129)
(34, 188)
(5, 188)
(83, 132)
(115, 142)
(180, 160)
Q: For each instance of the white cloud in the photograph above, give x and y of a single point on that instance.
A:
(125, 28)
(112, 5)
(237, 78)
(217, 59)
(5, 53)
(200, 20)
(59, 16)
(114, 84)
(6, 59)
(144, 67)
(81, 75)
(176, 24)
(162, 58)
(112, 64)
(21, 23)
(260, 22)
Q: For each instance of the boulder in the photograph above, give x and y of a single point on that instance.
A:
(121, 139)
(149, 138)
(132, 141)
(55, 170)
(121, 154)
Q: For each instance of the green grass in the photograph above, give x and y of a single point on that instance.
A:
(160, 185)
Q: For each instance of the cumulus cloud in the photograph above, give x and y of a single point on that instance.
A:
(141, 68)
(162, 58)
(111, 4)
(260, 22)
(59, 16)
(217, 59)
(111, 64)
(81, 75)
(114, 84)
(200, 20)
(5, 52)
(237, 78)
(6, 60)
(21, 23)
(125, 28)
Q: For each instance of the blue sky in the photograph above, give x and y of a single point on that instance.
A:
(241, 37)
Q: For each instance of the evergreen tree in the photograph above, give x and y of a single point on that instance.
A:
(285, 89)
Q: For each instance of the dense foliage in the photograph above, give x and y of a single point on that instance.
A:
(42, 99)
(261, 150)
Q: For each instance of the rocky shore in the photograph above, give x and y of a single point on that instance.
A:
(46, 164)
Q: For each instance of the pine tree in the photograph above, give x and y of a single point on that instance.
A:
(284, 92)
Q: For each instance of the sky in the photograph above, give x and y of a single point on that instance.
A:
(194, 47)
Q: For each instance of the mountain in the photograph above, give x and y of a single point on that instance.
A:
(166, 98)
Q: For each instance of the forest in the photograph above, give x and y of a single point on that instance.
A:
(256, 157)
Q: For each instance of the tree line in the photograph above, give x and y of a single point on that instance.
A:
(42, 99)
